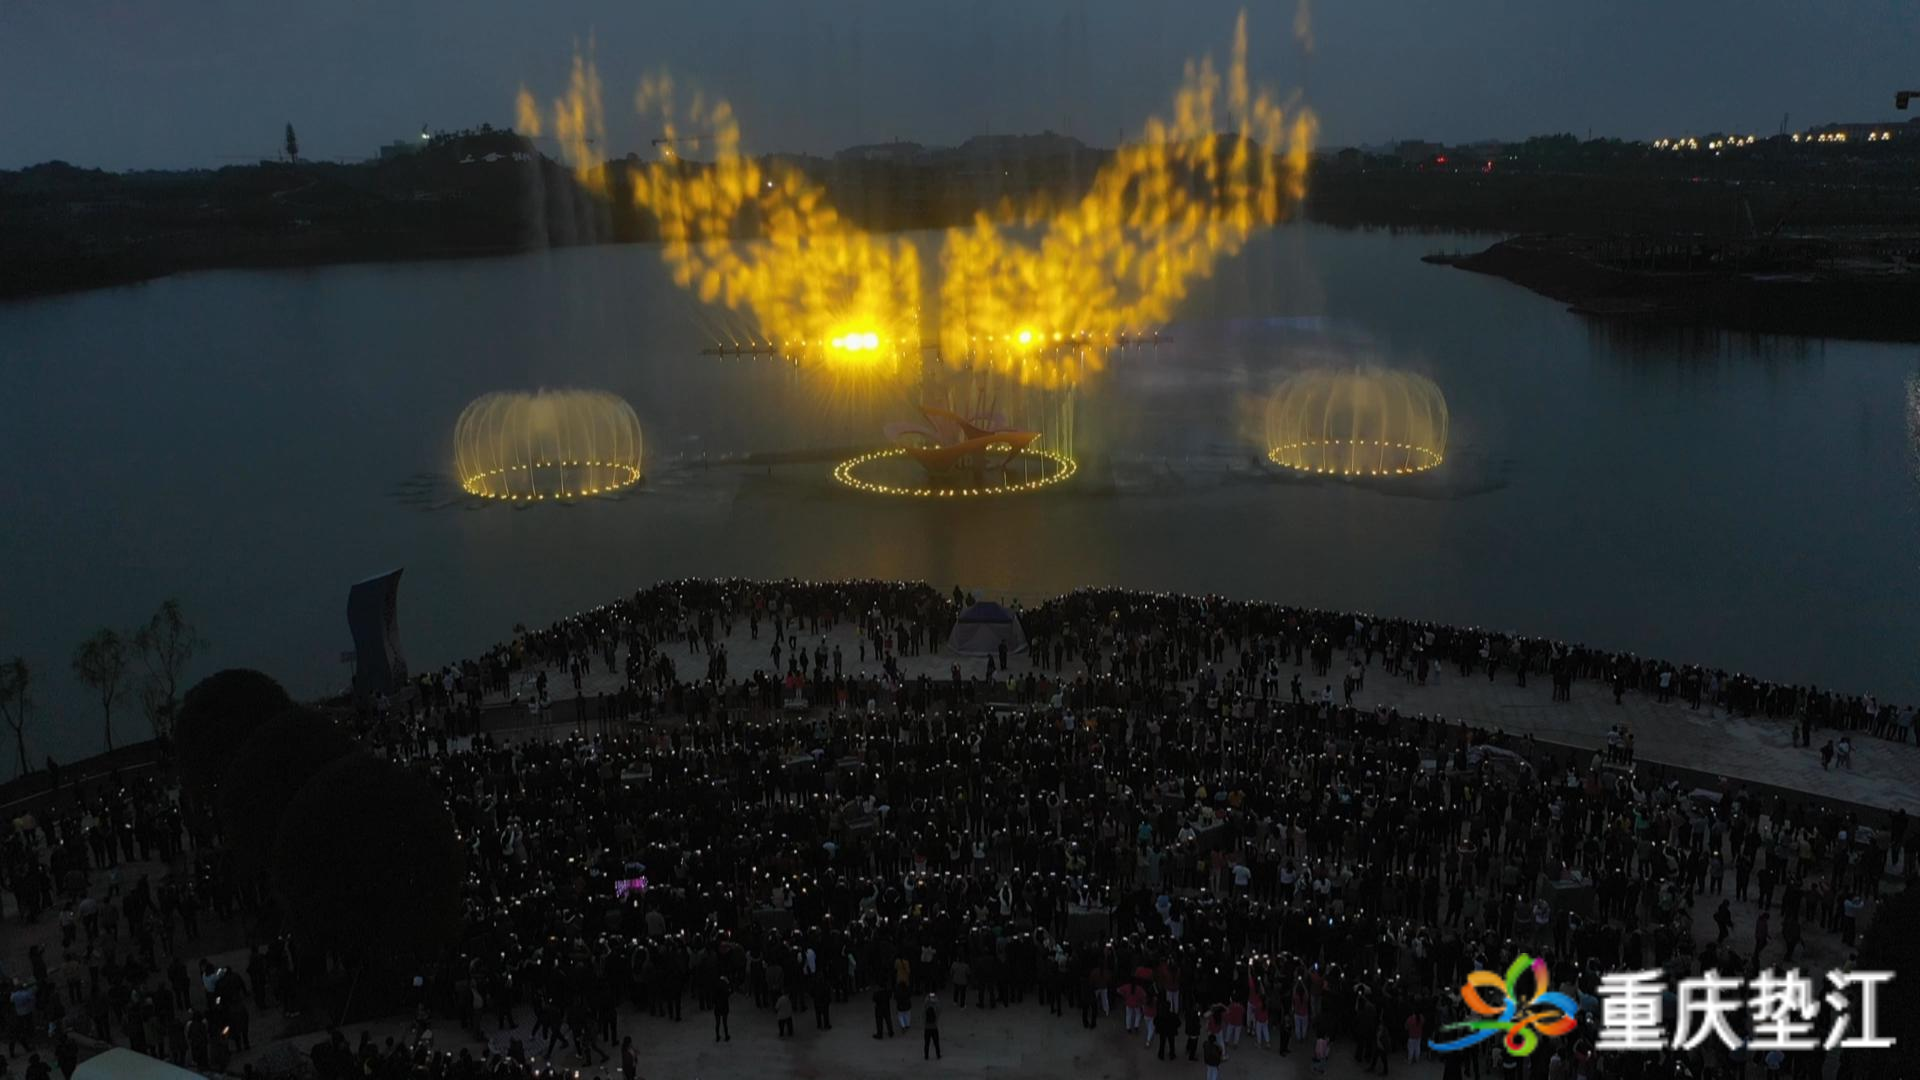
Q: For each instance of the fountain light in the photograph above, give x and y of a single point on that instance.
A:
(547, 445)
(1226, 161)
(1060, 468)
(1365, 422)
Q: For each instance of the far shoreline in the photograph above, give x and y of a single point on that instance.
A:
(1790, 286)
(1814, 304)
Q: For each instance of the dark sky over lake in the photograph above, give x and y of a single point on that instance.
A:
(123, 84)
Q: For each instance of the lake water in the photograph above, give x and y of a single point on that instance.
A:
(254, 442)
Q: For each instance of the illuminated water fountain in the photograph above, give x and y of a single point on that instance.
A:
(547, 445)
(1363, 422)
(1040, 289)
(1035, 292)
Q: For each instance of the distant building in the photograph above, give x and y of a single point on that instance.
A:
(1416, 151)
(1047, 144)
(896, 152)
(802, 162)
(400, 148)
(1345, 158)
(1863, 133)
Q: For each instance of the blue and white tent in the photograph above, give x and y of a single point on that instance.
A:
(983, 628)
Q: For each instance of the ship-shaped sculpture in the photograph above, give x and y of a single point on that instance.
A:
(951, 446)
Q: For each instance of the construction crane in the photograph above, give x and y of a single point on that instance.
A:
(1901, 98)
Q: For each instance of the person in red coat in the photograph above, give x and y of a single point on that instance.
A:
(1130, 1002)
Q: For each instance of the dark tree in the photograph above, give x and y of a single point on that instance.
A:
(1891, 945)
(367, 864)
(100, 662)
(16, 703)
(216, 717)
(293, 145)
(267, 771)
(165, 645)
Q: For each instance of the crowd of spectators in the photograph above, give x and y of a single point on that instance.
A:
(1145, 821)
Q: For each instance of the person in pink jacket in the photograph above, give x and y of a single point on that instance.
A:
(1236, 1022)
(1257, 1008)
(1130, 1001)
(1217, 1025)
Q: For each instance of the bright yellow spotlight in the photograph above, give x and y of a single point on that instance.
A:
(867, 341)
(1026, 337)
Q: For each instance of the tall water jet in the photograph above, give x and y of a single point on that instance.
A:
(1041, 290)
(547, 445)
(1363, 422)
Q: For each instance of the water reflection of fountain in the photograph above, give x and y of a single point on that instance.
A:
(1366, 422)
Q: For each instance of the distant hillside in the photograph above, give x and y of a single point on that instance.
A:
(63, 227)
(491, 192)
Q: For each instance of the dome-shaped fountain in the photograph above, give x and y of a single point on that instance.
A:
(1358, 422)
(548, 444)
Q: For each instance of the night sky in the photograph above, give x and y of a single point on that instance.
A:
(123, 84)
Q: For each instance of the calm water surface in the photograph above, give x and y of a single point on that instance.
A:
(254, 442)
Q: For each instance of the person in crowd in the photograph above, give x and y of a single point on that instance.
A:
(930, 1027)
(882, 1012)
(783, 1016)
(722, 1008)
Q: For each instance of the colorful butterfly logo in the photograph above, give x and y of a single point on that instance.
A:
(1548, 1012)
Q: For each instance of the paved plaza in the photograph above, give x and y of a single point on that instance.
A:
(1024, 1041)
(1884, 774)
(1021, 1042)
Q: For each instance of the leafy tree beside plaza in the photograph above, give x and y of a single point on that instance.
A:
(368, 869)
(1891, 945)
(266, 773)
(215, 719)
